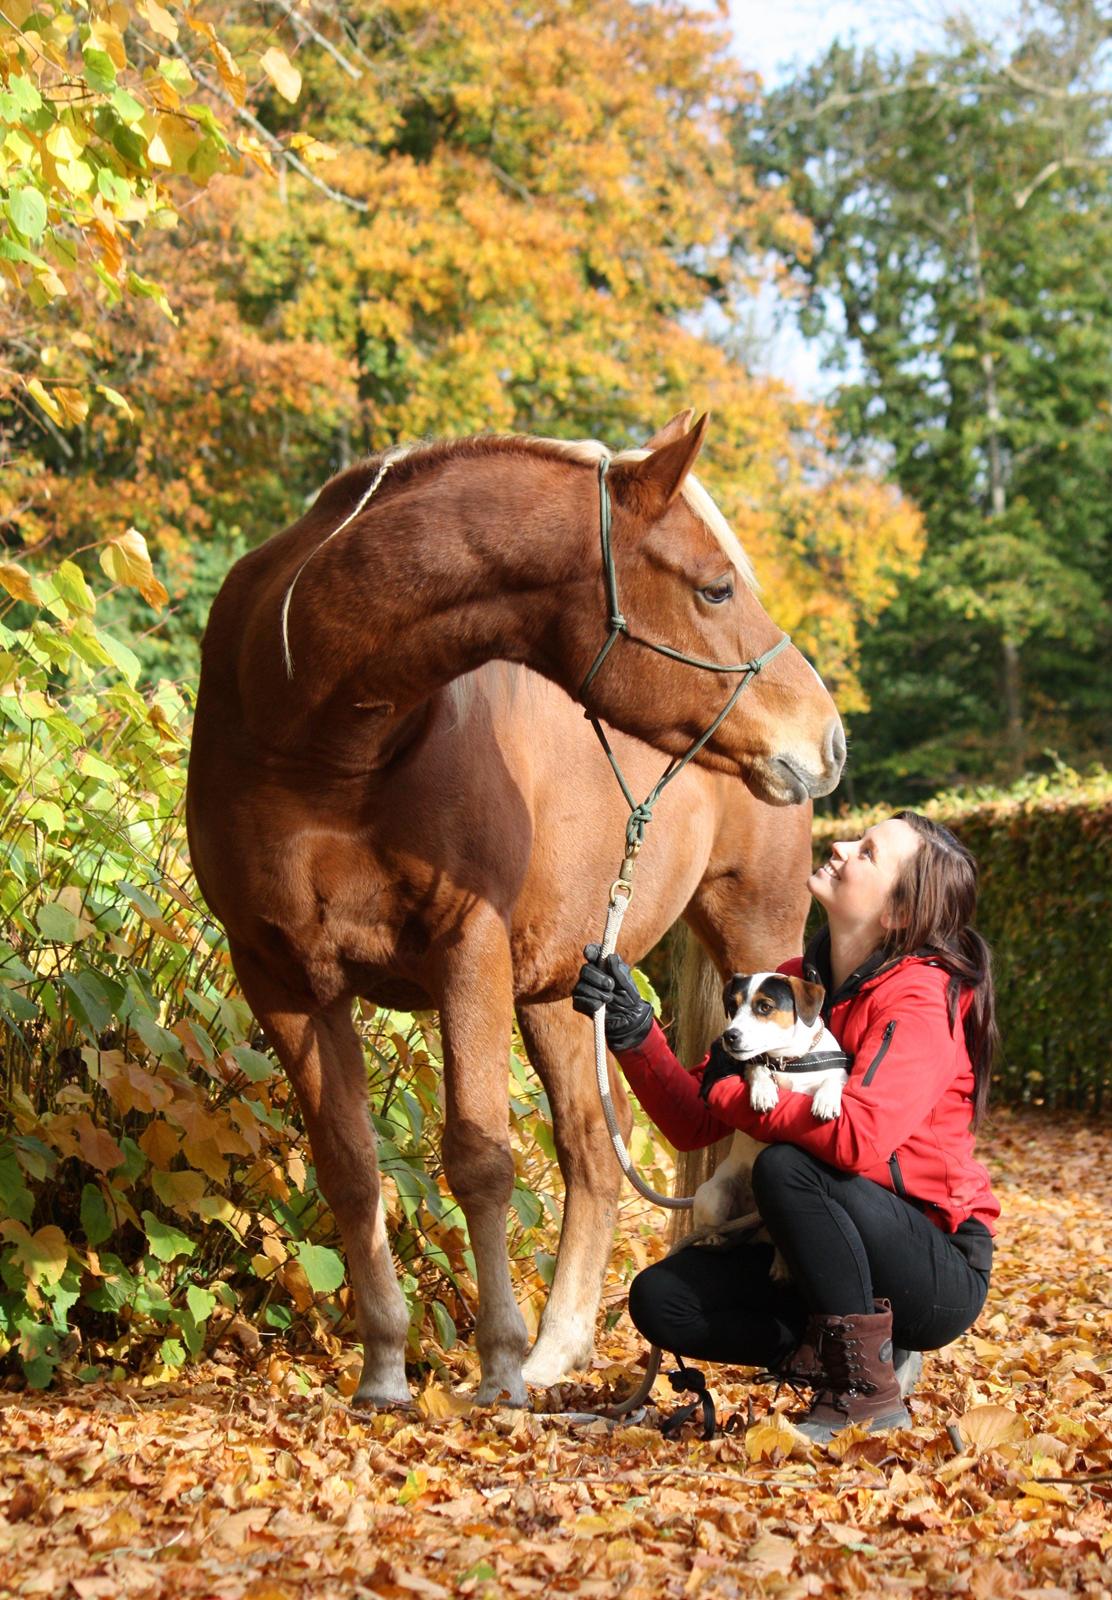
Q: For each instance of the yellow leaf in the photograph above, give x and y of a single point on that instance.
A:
(985, 1427)
(37, 392)
(158, 19)
(76, 176)
(1045, 1491)
(179, 1188)
(127, 561)
(416, 1484)
(158, 153)
(107, 37)
(310, 149)
(115, 398)
(75, 407)
(230, 75)
(62, 144)
(256, 151)
(281, 72)
(774, 1439)
(17, 581)
(437, 1404)
(42, 1255)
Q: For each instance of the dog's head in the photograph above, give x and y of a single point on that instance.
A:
(770, 1014)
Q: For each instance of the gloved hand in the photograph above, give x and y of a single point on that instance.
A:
(609, 982)
(721, 1065)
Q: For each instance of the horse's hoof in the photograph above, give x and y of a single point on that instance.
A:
(544, 1368)
(383, 1397)
(492, 1393)
(358, 1407)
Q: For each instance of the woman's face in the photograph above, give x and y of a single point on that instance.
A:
(855, 885)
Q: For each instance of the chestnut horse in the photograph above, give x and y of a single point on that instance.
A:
(363, 825)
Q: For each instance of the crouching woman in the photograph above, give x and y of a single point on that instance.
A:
(883, 1216)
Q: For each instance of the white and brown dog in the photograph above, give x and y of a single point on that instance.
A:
(776, 1039)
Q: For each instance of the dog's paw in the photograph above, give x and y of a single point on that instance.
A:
(779, 1271)
(763, 1096)
(826, 1104)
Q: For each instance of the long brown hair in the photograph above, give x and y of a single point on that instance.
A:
(935, 899)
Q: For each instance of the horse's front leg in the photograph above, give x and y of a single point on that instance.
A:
(324, 1059)
(561, 1049)
(476, 1014)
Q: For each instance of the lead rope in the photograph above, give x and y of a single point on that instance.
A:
(621, 892)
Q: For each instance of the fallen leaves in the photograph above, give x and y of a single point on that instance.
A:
(264, 1485)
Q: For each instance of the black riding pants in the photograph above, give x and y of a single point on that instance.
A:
(846, 1241)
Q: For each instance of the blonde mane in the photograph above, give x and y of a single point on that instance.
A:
(355, 487)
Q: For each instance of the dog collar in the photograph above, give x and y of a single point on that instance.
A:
(820, 1061)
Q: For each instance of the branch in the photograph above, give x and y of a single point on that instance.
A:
(273, 144)
(1050, 91)
(852, 97)
(1022, 197)
(304, 28)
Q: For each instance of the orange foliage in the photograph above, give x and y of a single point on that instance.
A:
(542, 212)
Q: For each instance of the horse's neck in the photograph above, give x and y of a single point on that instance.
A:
(475, 563)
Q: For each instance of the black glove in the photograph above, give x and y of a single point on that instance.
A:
(610, 983)
(721, 1065)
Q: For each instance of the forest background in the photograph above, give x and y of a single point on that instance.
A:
(244, 245)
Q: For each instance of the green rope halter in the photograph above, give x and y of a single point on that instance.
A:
(641, 814)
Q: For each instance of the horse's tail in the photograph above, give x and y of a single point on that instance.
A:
(697, 988)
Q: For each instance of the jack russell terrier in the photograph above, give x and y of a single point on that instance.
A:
(777, 1040)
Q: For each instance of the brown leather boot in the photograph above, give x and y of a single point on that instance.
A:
(858, 1382)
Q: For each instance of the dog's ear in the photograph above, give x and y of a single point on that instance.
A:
(733, 992)
(808, 999)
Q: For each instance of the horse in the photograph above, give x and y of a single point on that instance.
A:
(392, 795)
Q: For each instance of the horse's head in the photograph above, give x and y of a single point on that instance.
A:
(683, 581)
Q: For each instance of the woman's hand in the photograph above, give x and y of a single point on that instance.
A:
(608, 982)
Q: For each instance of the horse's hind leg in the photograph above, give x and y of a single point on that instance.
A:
(476, 1012)
(324, 1060)
(561, 1048)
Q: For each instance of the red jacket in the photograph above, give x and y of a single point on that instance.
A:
(905, 1112)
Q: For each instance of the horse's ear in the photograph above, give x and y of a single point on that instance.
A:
(675, 429)
(656, 481)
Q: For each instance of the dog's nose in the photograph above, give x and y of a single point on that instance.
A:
(732, 1038)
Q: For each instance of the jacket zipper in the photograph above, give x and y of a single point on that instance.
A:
(897, 1177)
(880, 1055)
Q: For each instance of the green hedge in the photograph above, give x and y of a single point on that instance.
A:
(1045, 855)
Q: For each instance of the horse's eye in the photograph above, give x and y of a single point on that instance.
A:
(717, 592)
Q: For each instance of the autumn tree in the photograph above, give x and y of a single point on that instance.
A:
(959, 272)
(461, 218)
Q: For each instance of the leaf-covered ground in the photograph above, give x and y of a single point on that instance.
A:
(233, 1484)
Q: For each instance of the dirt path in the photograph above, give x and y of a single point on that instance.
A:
(233, 1486)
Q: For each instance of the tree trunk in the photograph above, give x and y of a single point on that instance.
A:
(1013, 705)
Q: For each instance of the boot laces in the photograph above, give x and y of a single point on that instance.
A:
(840, 1357)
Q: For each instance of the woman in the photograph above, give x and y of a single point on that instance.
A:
(882, 1215)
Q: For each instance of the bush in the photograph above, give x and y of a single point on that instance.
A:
(1045, 855)
(157, 1193)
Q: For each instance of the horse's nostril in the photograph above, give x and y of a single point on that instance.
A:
(836, 745)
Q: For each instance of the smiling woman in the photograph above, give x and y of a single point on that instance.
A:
(855, 888)
(881, 1213)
